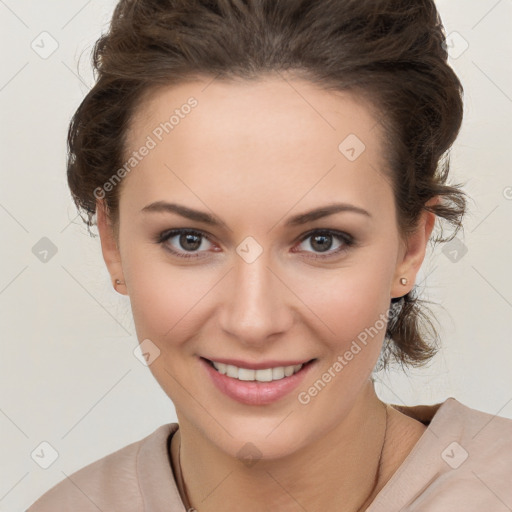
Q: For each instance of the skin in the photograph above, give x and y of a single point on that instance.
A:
(253, 154)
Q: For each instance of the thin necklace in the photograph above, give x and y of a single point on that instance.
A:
(377, 476)
(186, 501)
(184, 495)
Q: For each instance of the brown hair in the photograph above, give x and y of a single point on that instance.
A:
(390, 53)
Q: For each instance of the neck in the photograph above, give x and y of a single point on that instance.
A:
(342, 467)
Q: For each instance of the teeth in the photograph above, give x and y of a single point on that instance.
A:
(278, 373)
(265, 375)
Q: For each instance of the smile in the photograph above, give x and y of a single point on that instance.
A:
(259, 386)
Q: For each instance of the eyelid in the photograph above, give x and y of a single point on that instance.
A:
(319, 231)
(170, 233)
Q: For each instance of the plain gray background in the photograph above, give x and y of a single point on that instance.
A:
(67, 369)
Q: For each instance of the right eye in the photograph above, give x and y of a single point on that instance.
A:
(187, 240)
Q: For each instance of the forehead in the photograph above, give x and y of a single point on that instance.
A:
(281, 135)
(292, 108)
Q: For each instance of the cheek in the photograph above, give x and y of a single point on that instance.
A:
(348, 301)
(352, 303)
(165, 299)
(154, 303)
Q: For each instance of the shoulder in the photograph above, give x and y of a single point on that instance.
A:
(112, 482)
(485, 433)
(463, 461)
(485, 437)
(475, 451)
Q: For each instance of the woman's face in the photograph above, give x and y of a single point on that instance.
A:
(253, 279)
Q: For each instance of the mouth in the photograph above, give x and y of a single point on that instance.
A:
(256, 386)
(270, 374)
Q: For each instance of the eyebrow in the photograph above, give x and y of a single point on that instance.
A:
(212, 220)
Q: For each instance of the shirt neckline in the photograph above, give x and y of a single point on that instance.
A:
(428, 462)
(158, 484)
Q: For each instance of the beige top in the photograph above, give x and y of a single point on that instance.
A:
(463, 461)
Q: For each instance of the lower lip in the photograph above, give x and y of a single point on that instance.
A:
(253, 392)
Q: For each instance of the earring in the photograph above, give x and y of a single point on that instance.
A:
(117, 282)
(397, 301)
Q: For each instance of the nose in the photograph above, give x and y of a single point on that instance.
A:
(258, 305)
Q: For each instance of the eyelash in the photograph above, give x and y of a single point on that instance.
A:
(347, 240)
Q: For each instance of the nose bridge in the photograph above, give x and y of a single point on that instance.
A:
(255, 305)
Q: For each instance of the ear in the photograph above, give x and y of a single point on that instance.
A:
(413, 253)
(109, 247)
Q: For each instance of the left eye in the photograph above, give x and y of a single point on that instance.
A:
(322, 242)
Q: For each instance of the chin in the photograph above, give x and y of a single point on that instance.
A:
(259, 438)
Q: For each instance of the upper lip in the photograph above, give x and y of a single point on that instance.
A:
(273, 363)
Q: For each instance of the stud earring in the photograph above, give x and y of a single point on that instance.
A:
(117, 282)
(399, 300)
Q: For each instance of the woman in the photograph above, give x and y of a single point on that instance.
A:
(265, 176)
